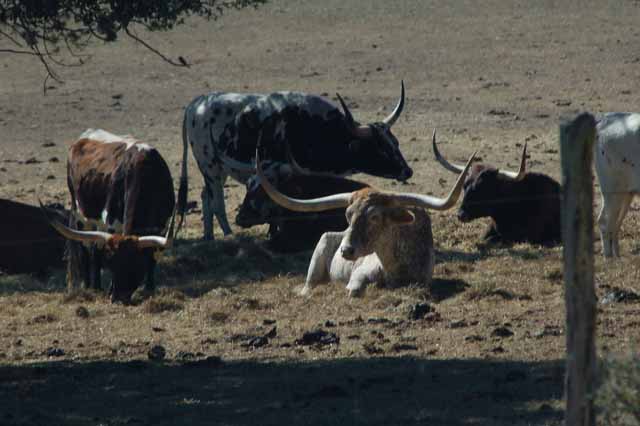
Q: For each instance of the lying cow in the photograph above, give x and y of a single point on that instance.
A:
(28, 243)
(228, 125)
(523, 207)
(617, 162)
(388, 240)
(292, 230)
(122, 197)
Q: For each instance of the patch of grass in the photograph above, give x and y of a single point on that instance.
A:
(80, 295)
(482, 290)
(618, 398)
(554, 275)
(166, 300)
(43, 319)
(218, 317)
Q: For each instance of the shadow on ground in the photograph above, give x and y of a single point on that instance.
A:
(378, 391)
(193, 267)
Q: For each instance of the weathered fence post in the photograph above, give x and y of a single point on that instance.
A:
(576, 149)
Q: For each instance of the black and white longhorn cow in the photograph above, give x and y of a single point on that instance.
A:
(223, 130)
(122, 198)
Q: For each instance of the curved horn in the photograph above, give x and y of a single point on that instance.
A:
(165, 242)
(523, 167)
(315, 205)
(360, 132)
(236, 165)
(393, 117)
(435, 203)
(455, 168)
(72, 234)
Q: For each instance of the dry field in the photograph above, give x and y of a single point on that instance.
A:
(489, 75)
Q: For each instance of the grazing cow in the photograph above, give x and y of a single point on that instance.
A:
(292, 230)
(226, 126)
(523, 207)
(28, 243)
(388, 240)
(122, 191)
(617, 161)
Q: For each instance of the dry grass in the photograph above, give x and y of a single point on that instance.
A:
(219, 298)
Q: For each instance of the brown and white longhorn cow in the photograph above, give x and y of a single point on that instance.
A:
(388, 240)
(121, 197)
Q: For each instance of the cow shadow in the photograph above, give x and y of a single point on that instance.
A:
(192, 266)
(484, 251)
(361, 391)
(197, 267)
(446, 288)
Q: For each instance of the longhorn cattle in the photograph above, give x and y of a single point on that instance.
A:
(388, 240)
(122, 197)
(523, 207)
(28, 243)
(223, 129)
(292, 230)
(617, 162)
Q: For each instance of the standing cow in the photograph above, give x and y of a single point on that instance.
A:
(523, 207)
(388, 241)
(122, 197)
(617, 161)
(227, 126)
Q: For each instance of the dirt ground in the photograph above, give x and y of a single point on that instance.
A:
(488, 75)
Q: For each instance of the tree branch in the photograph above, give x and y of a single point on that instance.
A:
(154, 50)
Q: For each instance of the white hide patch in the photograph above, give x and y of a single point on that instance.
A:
(107, 137)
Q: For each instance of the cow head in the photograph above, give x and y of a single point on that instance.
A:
(370, 213)
(375, 147)
(126, 256)
(484, 187)
(257, 208)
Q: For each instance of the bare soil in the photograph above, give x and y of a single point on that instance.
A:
(488, 75)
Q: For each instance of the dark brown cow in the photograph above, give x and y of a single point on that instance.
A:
(291, 230)
(28, 243)
(122, 197)
(524, 207)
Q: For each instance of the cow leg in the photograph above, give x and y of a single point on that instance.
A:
(207, 211)
(218, 204)
(95, 261)
(614, 209)
(321, 260)
(150, 283)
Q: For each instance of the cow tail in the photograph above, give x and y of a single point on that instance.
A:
(184, 177)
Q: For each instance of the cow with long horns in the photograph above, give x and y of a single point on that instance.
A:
(388, 240)
(293, 230)
(122, 198)
(523, 207)
(223, 130)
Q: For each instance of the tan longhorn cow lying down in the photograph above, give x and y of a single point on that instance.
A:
(388, 240)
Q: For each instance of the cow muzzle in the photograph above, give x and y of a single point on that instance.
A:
(348, 252)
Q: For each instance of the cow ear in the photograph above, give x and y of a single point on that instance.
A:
(400, 216)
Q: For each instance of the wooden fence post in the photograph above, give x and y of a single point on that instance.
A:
(576, 150)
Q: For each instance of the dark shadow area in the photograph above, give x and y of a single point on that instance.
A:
(529, 252)
(377, 391)
(445, 288)
(196, 267)
(191, 266)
